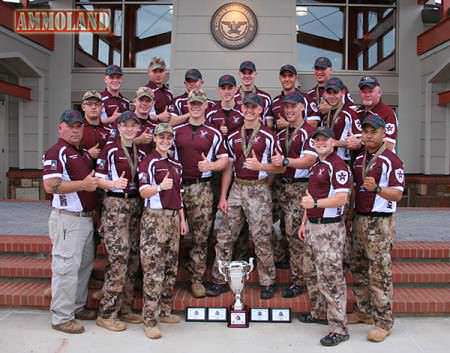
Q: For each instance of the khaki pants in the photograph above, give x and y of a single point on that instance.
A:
(72, 263)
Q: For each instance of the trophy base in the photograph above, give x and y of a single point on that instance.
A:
(238, 318)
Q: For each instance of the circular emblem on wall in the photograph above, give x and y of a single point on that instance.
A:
(234, 25)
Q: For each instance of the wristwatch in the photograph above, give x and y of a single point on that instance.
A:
(285, 162)
(377, 189)
(315, 204)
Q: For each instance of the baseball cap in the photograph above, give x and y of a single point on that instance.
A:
(374, 120)
(288, 68)
(322, 62)
(71, 117)
(368, 81)
(91, 94)
(253, 99)
(323, 131)
(145, 92)
(128, 115)
(157, 63)
(197, 96)
(334, 84)
(293, 98)
(227, 80)
(193, 74)
(247, 65)
(162, 128)
(113, 70)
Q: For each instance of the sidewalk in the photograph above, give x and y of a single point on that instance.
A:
(29, 332)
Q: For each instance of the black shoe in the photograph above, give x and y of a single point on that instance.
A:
(283, 264)
(333, 339)
(86, 314)
(267, 292)
(292, 291)
(214, 290)
(308, 319)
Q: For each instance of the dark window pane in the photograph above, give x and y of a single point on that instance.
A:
(320, 32)
(312, 2)
(372, 2)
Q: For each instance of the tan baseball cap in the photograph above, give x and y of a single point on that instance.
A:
(157, 63)
(197, 96)
(145, 92)
(91, 94)
(162, 128)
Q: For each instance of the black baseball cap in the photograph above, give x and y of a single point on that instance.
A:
(193, 74)
(128, 115)
(113, 70)
(323, 63)
(227, 80)
(253, 99)
(247, 65)
(368, 81)
(288, 68)
(374, 120)
(293, 98)
(334, 84)
(323, 131)
(71, 117)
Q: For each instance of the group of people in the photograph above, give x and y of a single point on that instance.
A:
(146, 172)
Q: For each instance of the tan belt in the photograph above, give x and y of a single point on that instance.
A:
(251, 182)
(74, 213)
(164, 211)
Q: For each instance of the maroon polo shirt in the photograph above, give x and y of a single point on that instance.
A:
(239, 99)
(152, 170)
(301, 144)
(110, 103)
(94, 134)
(327, 178)
(387, 170)
(180, 105)
(264, 147)
(112, 162)
(69, 163)
(231, 118)
(163, 97)
(310, 112)
(191, 141)
(387, 114)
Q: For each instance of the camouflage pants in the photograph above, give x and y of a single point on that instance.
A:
(120, 220)
(327, 290)
(289, 196)
(280, 244)
(198, 208)
(254, 203)
(160, 241)
(372, 267)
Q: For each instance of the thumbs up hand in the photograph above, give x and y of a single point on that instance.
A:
(204, 165)
(121, 183)
(253, 163)
(164, 117)
(307, 201)
(167, 182)
(277, 159)
(90, 182)
(94, 151)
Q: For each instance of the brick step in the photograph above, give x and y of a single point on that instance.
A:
(402, 249)
(22, 266)
(410, 301)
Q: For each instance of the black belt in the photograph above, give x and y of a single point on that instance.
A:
(75, 213)
(375, 214)
(123, 195)
(325, 220)
(196, 181)
(288, 180)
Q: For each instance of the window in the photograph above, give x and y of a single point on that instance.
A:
(353, 34)
(141, 29)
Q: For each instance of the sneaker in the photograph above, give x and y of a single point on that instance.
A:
(333, 339)
(307, 318)
(86, 314)
(267, 292)
(111, 324)
(215, 290)
(378, 334)
(293, 291)
(358, 317)
(152, 332)
(131, 318)
(198, 290)
(170, 319)
(72, 326)
(283, 264)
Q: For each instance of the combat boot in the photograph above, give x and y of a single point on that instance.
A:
(198, 290)
(111, 324)
(358, 317)
(170, 319)
(152, 332)
(378, 334)
(131, 318)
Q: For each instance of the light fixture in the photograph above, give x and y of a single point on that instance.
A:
(301, 11)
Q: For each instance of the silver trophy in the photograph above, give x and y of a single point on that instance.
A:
(234, 273)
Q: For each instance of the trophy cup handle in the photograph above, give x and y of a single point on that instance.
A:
(250, 267)
(221, 266)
